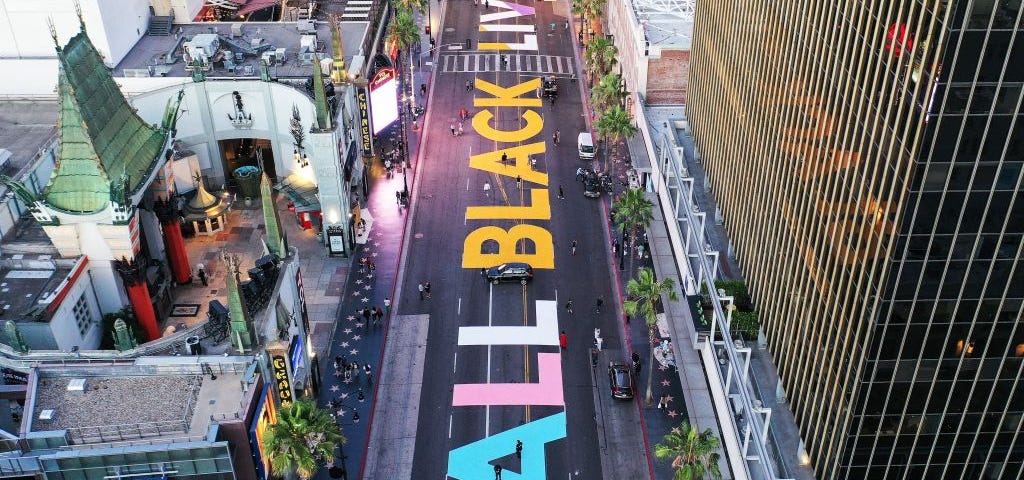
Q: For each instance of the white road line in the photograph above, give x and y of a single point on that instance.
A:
(459, 312)
(449, 429)
(455, 362)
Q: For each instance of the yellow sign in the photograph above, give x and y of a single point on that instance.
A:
(281, 380)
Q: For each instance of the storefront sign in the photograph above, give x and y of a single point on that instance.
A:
(14, 377)
(336, 239)
(296, 353)
(265, 416)
(282, 380)
(362, 98)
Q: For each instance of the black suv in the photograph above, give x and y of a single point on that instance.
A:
(509, 272)
(621, 381)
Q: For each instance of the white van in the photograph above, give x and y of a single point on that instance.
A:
(585, 146)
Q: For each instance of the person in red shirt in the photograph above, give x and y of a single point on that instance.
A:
(563, 339)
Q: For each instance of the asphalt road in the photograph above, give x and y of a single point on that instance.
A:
(447, 185)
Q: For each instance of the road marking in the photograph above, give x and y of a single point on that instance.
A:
(455, 362)
(459, 312)
(490, 319)
(449, 429)
(544, 333)
(474, 62)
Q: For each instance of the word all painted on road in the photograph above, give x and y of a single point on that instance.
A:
(471, 461)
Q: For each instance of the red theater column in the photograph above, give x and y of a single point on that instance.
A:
(177, 257)
(138, 294)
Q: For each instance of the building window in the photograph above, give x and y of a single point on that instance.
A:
(83, 316)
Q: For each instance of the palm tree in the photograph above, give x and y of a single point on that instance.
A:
(600, 56)
(614, 126)
(409, 5)
(594, 9)
(302, 438)
(632, 211)
(579, 7)
(645, 293)
(692, 453)
(607, 93)
(403, 30)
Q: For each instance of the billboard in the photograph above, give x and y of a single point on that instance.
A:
(383, 99)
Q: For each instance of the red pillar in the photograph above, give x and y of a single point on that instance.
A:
(138, 295)
(173, 241)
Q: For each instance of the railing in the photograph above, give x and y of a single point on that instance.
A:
(756, 461)
(125, 432)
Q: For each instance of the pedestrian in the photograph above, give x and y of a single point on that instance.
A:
(519, 449)
(469, 85)
(567, 25)
(599, 304)
(398, 198)
(663, 402)
(387, 305)
(423, 89)
(561, 194)
(636, 362)
(378, 316)
(568, 307)
(202, 275)
(615, 248)
(563, 340)
(421, 290)
(370, 264)
(519, 182)
(366, 315)
(504, 61)
(487, 188)
(497, 468)
(337, 361)
(572, 247)
(598, 341)
(426, 289)
(557, 136)
(460, 129)
(367, 369)
(504, 157)
(452, 126)
(579, 174)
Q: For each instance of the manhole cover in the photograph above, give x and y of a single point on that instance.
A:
(418, 235)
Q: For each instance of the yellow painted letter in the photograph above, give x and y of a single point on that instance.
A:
(491, 162)
(534, 125)
(539, 209)
(507, 97)
(544, 250)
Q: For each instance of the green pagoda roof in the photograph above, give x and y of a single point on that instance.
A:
(102, 138)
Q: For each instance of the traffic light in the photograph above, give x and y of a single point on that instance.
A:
(469, 44)
(427, 29)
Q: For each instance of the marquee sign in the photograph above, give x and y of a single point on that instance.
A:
(282, 380)
(362, 98)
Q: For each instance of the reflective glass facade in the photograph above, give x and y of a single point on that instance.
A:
(192, 461)
(867, 158)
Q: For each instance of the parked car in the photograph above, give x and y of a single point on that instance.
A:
(510, 272)
(591, 184)
(621, 381)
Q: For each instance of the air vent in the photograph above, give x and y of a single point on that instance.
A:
(76, 385)
(46, 414)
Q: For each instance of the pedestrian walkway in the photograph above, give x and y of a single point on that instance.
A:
(474, 62)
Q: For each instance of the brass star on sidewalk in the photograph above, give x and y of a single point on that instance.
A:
(666, 382)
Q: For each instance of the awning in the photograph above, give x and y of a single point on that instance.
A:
(301, 191)
(254, 5)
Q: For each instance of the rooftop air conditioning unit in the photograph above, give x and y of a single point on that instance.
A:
(46, 414)
(76, 385)
(306, 26)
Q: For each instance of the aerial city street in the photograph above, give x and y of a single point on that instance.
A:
(475, 239)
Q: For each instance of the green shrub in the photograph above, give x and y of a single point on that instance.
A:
(745, 323)
(107, 340)
(738, 290)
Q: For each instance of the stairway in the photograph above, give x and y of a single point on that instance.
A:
(160, 25)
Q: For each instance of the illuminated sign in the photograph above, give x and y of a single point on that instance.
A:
(383, 99)
(336, 239)
(297, 354)
(282, 380)
(265, 416)
(364, 122)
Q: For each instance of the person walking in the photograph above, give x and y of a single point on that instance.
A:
(599, 304)
(426, 289)
(563, 340)
(568, 307)
(369, 374)
(452, 126)
(469, 85)
(554, 138)
(572, 247)
(487, 188)
(379, 316)
(561, 194)
(460, 128)
(636, 362)
(519, 449)
(519, 182)
(497, 472)
(420, 286)
(202, 275)
(423, 89)
(504, 157)
(387, 305)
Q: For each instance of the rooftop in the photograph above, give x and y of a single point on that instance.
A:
(164, 56)
(125, 407)
(30, 271)
(26, 127)
(666, 23)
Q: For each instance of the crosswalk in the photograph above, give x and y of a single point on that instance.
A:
(357, 10)
(472, 62)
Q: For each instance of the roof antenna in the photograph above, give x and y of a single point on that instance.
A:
(78, 11)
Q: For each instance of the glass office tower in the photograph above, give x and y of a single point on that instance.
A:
(867, 157)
